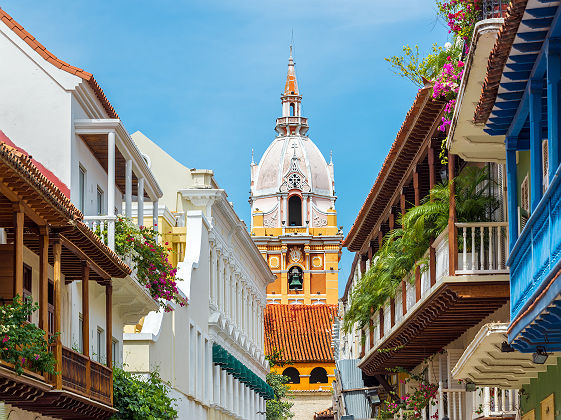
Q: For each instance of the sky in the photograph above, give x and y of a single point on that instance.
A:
(203, 79)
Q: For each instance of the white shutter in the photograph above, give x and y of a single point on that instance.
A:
(522, 220)
(545, 166)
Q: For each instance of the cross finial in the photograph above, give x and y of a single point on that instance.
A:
(331, 157)
(294, 147)
(252, 162)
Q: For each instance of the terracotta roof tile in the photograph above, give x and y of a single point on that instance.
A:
(51, 58)
(497, 60)
(303, 333)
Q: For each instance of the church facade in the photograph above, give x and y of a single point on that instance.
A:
(294, 225)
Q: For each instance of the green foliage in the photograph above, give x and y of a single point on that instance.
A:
(150, 258)
(22, 343)
(136, 398)
(278, 408)
(404, 248)
(417, 69)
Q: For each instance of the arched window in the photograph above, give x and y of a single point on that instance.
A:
(295, 278)
(294, 211)
(318, 376)
(292, 110)
(293, 374)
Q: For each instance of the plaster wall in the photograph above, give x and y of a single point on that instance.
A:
(307, 404)
(544, 385)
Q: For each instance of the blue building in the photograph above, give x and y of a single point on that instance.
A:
(521, 98)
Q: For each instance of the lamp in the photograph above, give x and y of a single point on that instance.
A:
(443, 173)
(470, 386)
(506, 348)
(372, 396)
(540, 356)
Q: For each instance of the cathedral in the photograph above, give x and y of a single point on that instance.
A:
(294, 225)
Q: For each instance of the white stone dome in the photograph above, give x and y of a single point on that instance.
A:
(293, 162)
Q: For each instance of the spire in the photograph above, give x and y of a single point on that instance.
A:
(291, 86)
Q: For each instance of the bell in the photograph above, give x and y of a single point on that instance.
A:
(295, 281)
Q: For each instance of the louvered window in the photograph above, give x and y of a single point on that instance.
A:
(545, 166)
(525, 195)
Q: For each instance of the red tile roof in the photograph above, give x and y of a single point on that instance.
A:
(303, 333)
(417, 125)
(497, 60)
(51, 58)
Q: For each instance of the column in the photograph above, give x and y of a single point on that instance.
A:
(227, 291)
(128, 188)
(19, 220)
(86, 322)
(216, 384)
(512, 192)
(111, 188)
(44, 279)
(553, 109)
(109, 325)
(304, 210)
(140, 202)
(155, 215)
(220, 280)
(432, 172)
(57, 252)
(536, 92)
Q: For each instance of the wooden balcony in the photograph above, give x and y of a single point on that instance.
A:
(96, 385)
(435, 303)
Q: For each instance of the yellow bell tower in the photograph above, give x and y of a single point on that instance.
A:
(294, 222)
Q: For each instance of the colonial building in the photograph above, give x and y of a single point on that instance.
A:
(59, 115)
(294, 225)
(211, 351)
(518, 112)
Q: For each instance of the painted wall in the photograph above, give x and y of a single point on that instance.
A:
(545, 384)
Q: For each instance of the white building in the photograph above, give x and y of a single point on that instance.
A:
(59, 114)
(224, 278)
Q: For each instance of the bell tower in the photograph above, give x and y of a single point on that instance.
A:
(294, 222)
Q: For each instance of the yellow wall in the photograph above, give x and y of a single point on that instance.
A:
(305, 369)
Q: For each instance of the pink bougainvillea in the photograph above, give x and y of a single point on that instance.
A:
(150, 259)
(446, 86)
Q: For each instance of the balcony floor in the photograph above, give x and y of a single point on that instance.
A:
(454, 305)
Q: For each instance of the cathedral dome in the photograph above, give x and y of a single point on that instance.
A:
(293, 162)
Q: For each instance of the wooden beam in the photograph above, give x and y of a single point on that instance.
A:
(19, 220)
(404, 297)
(417, 284)
(86, 322)
(432, 265)
(416, 187)
(57, 252)
(44, 280)
(392, 311)
(109, 324)
(381, 323)
(83, 256)
(15, 198)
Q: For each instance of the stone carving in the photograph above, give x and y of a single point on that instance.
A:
(271, 220)
(295, 254)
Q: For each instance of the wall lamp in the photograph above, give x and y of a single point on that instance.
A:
(540, 356)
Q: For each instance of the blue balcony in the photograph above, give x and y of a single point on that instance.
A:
(535, 285)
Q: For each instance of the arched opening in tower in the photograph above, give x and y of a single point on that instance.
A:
(292, 110)
(294, 211)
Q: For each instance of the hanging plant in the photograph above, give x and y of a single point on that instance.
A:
(150, 259)
(22, 343)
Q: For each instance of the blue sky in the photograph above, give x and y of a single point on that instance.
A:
(203, 78)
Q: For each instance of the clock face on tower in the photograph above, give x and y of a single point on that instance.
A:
(295, 254)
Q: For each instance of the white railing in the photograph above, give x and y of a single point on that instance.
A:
(494, 402)
(483, 247)
(451, 403)
(104, 227)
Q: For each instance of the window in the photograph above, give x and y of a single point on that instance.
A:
(525, 195)
(295, 278)
(81, 189)
(293, 374)
(80, 333)
(99, 342)
(115, 350)
(27, 282)
(294, 211)
(99, 202)
(318, 376)
(294, 181)
(292, 110)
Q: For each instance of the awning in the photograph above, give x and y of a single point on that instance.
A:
(223, 358)
(485, 364)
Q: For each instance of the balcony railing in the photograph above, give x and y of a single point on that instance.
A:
(484, 248)
(451, 403)
(75, 376)
(104, 227)
(494, 9)
(495, 402)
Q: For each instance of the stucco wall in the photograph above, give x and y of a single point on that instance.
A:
(545, 384)
(307, 404)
